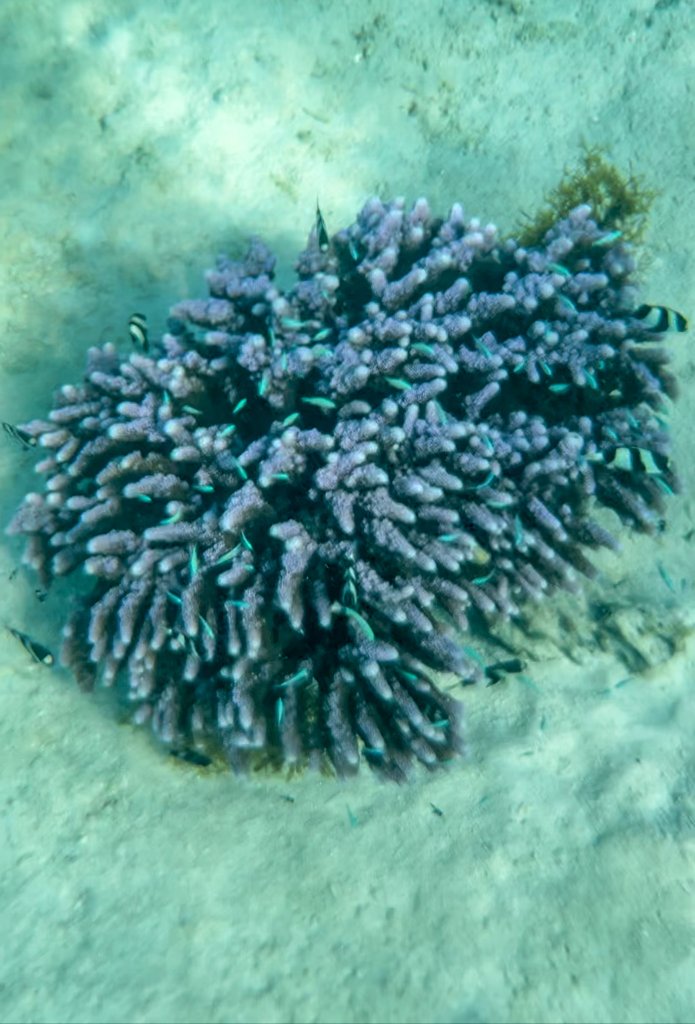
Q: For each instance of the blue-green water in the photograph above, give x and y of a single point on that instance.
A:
(138, 140)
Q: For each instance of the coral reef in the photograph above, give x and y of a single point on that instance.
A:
(291, 511)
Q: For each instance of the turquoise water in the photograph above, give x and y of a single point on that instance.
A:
(138, 140)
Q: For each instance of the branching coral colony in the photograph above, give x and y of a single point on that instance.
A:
(292, 508)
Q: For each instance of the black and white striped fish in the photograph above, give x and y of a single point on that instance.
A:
(321, 231)
(137, 328)
(634, 459)
(661, 318)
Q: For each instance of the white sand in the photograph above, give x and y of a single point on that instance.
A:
(136, 141)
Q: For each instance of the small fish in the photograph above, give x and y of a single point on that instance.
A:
(193, 562)
(320, 403)
(666, 578)
(567, 303)
(296, 680)
(437, 810)
(19, 435)
(480, 581)
(359, 621)
(501, 668)
(661, 318)
(633, 459)
(349, 592)
(321, 232)
(137, 329)
(398, 383)
(608, 239)
(37, 651)
(207, 627)
(374, 752)
(191, 756)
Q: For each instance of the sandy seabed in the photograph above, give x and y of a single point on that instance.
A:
(136, 141)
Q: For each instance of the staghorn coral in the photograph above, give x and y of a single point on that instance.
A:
(292, 511)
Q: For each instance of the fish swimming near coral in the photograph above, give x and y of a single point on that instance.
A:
(661, 318)
(17, 434)
(322, 237)
(292, 511)
(137, 329)
(35, 650)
